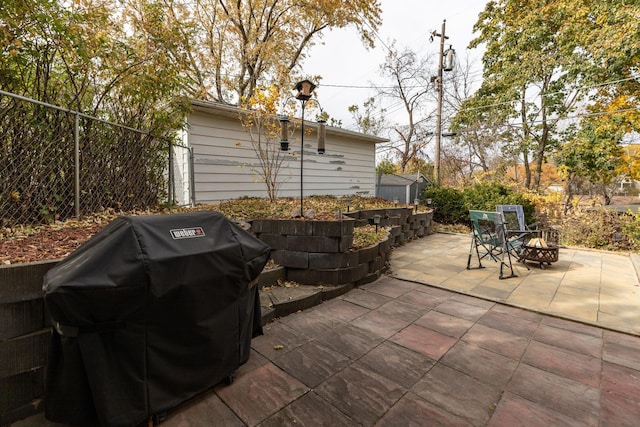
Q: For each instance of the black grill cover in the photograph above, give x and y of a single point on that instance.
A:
(149, 312)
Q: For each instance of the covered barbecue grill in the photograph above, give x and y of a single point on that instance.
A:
(149, 312)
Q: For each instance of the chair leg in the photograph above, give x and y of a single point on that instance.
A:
(469, 261)
(502, 264)
(502, 276)
(517, 254)
(474, 244)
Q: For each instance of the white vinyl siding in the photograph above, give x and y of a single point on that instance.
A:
(224, 159)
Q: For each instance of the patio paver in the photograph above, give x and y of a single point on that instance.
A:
(399, 351)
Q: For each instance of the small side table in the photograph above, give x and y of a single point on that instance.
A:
(541, 255)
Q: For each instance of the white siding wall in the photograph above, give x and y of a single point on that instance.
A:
(224, 161)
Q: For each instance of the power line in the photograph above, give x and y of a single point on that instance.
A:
(578, 116)
(579, 88)
(572, 117)
(497, 104)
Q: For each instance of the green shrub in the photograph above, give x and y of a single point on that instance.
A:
(452, 206)
(448, 203)
(485, 197)
(582, 226)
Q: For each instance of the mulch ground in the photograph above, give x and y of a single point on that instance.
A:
(45, 244)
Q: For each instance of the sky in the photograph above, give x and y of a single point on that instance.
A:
(348, 69)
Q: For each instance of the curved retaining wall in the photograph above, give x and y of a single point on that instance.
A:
(318, 252)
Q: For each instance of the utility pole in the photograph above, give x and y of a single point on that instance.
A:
(438, 78)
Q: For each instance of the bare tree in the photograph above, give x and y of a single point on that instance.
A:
(472, 147)
(411, 91)
(260, 121)
(371, 120)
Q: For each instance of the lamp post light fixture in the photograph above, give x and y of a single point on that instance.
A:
(305, 90)
(416, 202)
(376, 221)
(395, 202)
(348, 203)
(429, 201)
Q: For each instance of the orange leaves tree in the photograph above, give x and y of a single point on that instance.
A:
(233, 47)
(149, 52)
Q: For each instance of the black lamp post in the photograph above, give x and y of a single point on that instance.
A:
(305, 90)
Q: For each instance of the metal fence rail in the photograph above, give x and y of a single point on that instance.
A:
(57, 164)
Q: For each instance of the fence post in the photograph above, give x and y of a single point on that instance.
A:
(170, 189)
(192, 178)
(76, 154)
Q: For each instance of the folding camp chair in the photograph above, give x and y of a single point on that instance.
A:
(489, 237)
(518, 232)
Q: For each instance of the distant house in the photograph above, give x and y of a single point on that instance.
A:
(556, 188)
(403, 187)
(224, 163)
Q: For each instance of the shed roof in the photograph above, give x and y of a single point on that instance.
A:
(393, 179)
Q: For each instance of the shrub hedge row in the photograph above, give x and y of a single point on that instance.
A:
(452, 205)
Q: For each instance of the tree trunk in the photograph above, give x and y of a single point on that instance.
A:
(527, 169)
(605, 194)
(569, 193)
(525, 137)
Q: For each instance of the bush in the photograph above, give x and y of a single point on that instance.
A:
(631, 229)
(485, 197)
(549, 207)
(582, 226)
(452, 206)
(601, 229)
(448, 203)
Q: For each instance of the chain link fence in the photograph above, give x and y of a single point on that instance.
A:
(57, 164)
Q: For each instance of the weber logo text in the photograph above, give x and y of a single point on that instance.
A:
(187, 233)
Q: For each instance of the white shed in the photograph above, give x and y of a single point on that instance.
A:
(224, 160)
(403, 187)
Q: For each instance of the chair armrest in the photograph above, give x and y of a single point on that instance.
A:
(522, 232)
